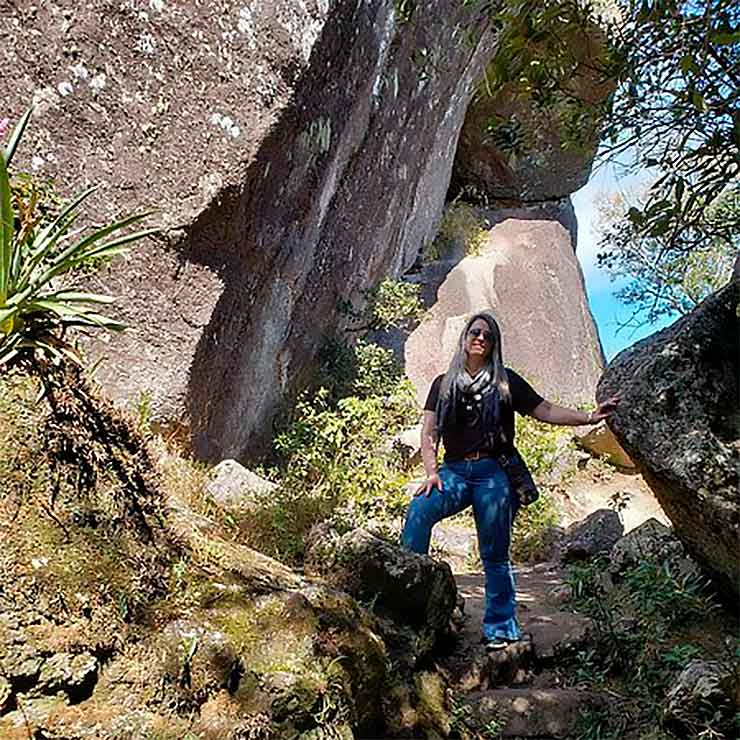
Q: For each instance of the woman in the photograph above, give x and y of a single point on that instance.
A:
(472, 408)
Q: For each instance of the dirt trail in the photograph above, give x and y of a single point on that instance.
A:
(518, 691)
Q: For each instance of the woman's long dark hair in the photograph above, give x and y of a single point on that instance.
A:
(448, 392)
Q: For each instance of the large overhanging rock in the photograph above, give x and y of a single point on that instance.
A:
(297, 153)
(678, 419)
(512, 149)
(527, 273)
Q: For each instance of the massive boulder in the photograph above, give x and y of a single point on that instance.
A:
(296, 152)
(678, 420)
(527, 273)
(513, 149)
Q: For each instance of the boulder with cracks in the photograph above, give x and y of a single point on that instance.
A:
(298, 153)
(678, 419)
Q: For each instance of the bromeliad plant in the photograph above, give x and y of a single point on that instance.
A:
(86, 438)
(38, 304)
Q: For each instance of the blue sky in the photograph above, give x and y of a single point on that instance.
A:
(607, 310)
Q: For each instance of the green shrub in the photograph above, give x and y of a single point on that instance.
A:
(461, 226)
(377, 372)
(640, 624)
(336, 463)
(39, 252)
(538, 444)
(391, 304)
(533, 526)
(395, 303)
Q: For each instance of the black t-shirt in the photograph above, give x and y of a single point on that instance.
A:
(469, 436)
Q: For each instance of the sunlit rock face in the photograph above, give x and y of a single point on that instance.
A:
(295, 151)
(678, 419)
(525, 272)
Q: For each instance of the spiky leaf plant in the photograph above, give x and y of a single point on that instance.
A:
(86, 437)
(37, 304)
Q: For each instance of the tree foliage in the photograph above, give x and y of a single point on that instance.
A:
(675, 65)
(660, 280)
(676, 107)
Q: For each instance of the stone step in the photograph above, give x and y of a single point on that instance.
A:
(530, 713)
(547, 638)
(556, 634)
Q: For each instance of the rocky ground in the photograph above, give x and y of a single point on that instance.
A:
(518, 692)
(179, 631)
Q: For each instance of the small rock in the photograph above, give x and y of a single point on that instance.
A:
(561, 594)
(601, 442)
(34, 711)
(652, 540)
(532, 713)
(69, 673)
(197, 655)
(23, 666)
(558, 634)
(703, 691)
(595, 535)
(411, 590)
(509, 666)
(235, 487)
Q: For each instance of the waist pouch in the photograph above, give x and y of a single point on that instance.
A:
(520, 479)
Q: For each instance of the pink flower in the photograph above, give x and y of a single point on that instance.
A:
(4, 126)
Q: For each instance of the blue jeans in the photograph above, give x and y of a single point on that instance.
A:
(483, 484)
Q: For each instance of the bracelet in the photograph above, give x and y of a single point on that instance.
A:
(590, 418)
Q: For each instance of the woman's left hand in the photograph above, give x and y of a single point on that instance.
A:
(604, 409)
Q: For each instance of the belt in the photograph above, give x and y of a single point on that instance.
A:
(478, 455)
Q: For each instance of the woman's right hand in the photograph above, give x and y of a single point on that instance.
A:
(433, 481)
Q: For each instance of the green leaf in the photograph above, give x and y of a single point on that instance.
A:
(75, 256)
(7, 229)
(7, 312)
(687, 64)
(78, 249)
(697, 100)
(680, 186)
(77, 297)
(45, 242)
(15, 137)
(725, 38)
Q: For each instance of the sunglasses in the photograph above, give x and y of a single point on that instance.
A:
(485, 335)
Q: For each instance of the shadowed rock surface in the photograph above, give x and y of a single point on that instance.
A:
(512, 149)
(678, 419)
(413, 591)
(595, 535)
(651, 541)
(298, 152)
(534, 713)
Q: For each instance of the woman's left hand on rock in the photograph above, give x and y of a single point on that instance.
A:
(604, 409)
